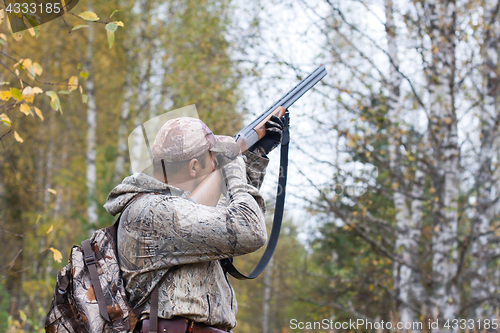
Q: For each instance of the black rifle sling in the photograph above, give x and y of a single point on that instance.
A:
(227, 264)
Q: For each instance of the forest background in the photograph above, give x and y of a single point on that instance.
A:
(392, 207)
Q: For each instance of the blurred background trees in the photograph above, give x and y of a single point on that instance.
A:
(392, 202)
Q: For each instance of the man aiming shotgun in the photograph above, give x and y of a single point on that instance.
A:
(175, 237)
(172, 231)
(176, 230)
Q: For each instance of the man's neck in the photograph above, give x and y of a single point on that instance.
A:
(186, 186)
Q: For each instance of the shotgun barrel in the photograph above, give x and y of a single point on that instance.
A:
(256, 130)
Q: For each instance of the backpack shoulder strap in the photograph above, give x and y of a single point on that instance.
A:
(89, 257)
(90, 262)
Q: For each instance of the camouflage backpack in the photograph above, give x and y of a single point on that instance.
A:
(89, 295)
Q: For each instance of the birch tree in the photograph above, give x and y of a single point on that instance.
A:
(407, 103)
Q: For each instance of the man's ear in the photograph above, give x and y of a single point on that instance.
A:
(193, 167)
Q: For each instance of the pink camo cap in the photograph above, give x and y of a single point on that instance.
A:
(184, 138)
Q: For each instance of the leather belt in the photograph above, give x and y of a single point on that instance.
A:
(179, 325)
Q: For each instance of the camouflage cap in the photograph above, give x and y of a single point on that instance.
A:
(184, 138)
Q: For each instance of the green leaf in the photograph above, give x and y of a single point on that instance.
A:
(79, 26)
(89, 16)
(112, 26)
(85, 75)
(55, 103)
(84, 98)
(7, 122)
(64, 92)
(16, 94)
(111, 37)
(113, 13)
(34, 26)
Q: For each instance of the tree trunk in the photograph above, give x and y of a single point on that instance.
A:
(443, 133)
(91, 129)
(481, 287)
(407, 235)
(266, 299)
(122, 130)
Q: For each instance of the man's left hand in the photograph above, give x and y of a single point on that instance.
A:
(274, 134)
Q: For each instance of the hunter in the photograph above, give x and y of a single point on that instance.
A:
(178, 225)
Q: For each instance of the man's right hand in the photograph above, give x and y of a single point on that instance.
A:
(209, 190)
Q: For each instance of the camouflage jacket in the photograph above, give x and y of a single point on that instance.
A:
(165, 233)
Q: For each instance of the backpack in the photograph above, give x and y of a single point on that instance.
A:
(89, 295)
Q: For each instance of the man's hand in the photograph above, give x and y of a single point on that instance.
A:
(274, 134)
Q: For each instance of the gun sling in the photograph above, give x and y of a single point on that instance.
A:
(227, 264)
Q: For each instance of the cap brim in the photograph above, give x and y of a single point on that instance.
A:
(225, 145)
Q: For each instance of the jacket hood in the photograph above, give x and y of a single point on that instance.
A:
(131, 186)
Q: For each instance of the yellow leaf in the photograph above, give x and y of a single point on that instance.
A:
(81, 90)
(23, 316)
(113, 13)
(28, 94)
(51, 228)
(16, 35)
(38, 68)
(51, 190)
(3, 35)
(27, 63)
(79, 26)
(18, 63)
(119, 23)
(24, 108)
(57, 254)
(73, 83)
(37, 90)
(38, 112)
(4, 117)
(5, 95)
(89, 16)
(18, 137)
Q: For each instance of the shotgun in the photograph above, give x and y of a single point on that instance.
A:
(256, 130)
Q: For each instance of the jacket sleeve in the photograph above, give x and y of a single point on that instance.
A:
(256, 168)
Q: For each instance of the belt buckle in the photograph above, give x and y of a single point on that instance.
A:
(189, 326)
